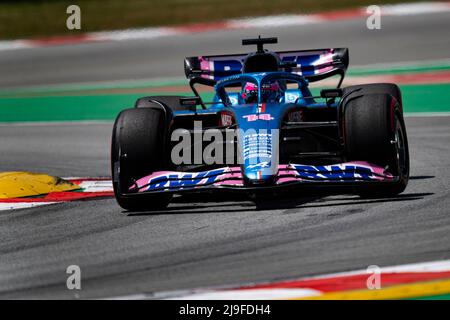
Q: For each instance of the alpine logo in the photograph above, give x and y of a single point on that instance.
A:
(265, 164)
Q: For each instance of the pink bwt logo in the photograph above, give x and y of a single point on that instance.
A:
(254, 117)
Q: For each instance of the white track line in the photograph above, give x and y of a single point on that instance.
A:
(251, 294)
(22, 205)
(274, 21)
(415, 8)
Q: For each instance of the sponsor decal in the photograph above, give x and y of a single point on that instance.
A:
(257, 145)
(265, 164)
(262, 116)
(226, 119)
(295, 116)
(261, 108)
(334, 172)
(182, 180)
(233, 100)
(259, 175)
(291, 97)
(232, 176)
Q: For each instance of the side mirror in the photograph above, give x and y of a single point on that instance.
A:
(191, 102)
(331, 93)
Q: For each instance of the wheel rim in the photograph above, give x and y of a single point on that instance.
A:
(400, 150)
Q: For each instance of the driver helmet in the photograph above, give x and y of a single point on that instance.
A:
(250, 93)
(270, 92)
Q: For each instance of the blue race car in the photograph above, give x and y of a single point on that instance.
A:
(262, 131)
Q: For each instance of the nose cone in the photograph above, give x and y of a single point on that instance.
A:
(259, 142)
(260, 155)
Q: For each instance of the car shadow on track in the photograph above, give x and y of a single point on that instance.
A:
(357, 201)
(217, 203)
(421, 177)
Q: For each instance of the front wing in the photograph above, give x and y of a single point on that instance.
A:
(344, 174)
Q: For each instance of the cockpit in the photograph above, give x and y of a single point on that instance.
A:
(279, 87)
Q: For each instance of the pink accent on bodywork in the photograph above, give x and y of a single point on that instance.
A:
(286, 174)
(231, 178)
(206, 65)
(145, 180)
(233, 175)
(392, 107)
(376, 169)
(324, 64)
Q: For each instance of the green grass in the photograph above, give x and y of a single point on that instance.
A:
(38, 18)
(439, 297)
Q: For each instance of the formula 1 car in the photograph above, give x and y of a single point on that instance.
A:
(263, 131)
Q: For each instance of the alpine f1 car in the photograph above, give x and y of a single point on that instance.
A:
(262, 131)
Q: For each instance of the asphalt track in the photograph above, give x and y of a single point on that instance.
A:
(212, 241)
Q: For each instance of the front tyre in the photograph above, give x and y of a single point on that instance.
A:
(374, 131)
(137, 149)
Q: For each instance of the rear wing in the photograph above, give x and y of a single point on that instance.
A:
(314, 65)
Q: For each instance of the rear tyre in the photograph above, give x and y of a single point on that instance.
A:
(386, 88)
(374, 131)
(138, 141)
